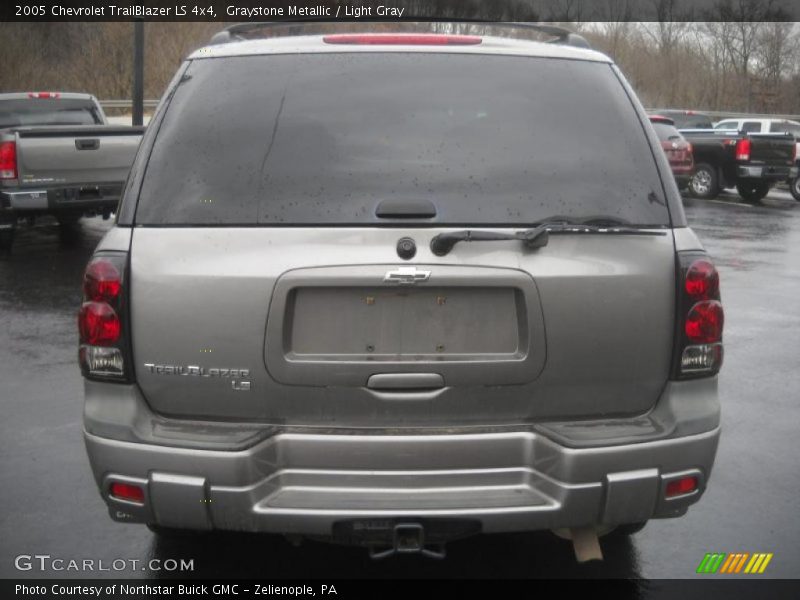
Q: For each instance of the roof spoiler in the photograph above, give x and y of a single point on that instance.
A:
(560, 35)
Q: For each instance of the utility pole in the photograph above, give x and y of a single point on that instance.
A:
(138, 72)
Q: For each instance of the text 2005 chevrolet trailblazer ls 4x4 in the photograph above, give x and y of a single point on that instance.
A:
(396, 289)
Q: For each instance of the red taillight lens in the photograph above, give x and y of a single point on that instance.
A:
(102, 281)
(700, 318)
(682, 486)
(98, 324)
(702, 280)
(126, 491)
(704, 322)
(8, 160)
(44, 95)
(406, 39)
(104, 352)
(743, 150)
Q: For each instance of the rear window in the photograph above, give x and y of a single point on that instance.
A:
(691, 121)
(785, 127)
(50, 111)
(322, 139)
(666, 132)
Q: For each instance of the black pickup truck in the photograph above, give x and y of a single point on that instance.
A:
(750, 162)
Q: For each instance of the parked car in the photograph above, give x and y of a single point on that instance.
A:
(355, 291)
(753, 125)
(750, 162)
(677, 149)
(58, 156)
(686, 119)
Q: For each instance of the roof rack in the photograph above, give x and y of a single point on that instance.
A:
(560, 35)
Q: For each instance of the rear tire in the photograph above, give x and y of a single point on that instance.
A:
(704, 182)
(752, 192)
(794, 188)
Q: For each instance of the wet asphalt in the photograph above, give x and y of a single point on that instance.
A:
(50, 505)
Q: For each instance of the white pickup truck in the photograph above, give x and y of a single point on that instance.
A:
(59, 156)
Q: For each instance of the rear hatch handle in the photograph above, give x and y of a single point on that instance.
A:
(398, 382)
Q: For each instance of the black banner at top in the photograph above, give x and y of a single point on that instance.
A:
(409, 10)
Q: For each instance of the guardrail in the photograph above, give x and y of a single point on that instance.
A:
(126, 103)
(721, 114)
(715, 114)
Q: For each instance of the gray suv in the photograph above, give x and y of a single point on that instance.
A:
(397, 289)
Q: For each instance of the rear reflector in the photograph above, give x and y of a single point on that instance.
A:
(8, 160)
(679, 487)
(126, 491)
(405, 39)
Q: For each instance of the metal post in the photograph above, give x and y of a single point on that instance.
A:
(138, 72)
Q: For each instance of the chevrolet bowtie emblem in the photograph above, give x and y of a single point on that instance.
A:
(406, 276)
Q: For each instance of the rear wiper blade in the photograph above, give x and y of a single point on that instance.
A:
(535, 237)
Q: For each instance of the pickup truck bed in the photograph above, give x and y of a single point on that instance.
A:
(750, 162)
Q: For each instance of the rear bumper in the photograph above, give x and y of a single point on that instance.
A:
(767, 173)
(71, 198)
(294, 482)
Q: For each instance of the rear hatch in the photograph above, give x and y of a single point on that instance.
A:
(266, 282)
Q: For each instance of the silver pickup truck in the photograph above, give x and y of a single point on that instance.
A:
(59, 156)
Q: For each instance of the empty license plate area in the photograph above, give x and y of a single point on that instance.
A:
(340, 325)
(405, 324)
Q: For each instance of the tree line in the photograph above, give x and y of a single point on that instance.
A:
(723, 65)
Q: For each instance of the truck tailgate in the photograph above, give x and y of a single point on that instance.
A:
(76, 155)
(772, 148)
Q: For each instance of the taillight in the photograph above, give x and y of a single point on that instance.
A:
(701, 280)
(704, 322)
(406, 39)
(45, 95)
(743, 149)
(698, 351)
(8, 160)
(101, 320)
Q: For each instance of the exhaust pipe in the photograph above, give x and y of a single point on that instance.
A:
(585, 544)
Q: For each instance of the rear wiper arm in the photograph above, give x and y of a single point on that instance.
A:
(535, 237)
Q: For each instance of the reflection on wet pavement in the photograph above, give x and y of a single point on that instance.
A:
(51, 505)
